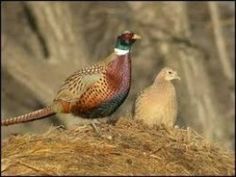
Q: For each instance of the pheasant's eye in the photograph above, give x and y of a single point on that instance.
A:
(127, 36)
(169, 72)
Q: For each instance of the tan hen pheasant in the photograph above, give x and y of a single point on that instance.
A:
(157, 104)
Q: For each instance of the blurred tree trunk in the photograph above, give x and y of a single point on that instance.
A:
(220, 42)
(56, 48)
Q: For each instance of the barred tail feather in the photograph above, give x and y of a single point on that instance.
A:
(39, 114)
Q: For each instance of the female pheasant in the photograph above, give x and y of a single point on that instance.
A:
(157, 104)
(95, 91)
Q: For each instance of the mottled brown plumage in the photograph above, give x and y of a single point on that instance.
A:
(157, 104)
(95, 91)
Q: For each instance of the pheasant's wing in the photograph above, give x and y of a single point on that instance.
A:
(76, 85)
(134, 105)
(148, 103)
(137, 105)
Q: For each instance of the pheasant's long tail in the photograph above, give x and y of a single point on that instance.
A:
(39, 114)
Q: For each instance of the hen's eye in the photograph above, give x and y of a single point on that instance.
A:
(169, 72)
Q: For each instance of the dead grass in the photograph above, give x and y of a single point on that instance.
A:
(128, 148)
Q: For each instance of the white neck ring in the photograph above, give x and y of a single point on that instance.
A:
(120, 51)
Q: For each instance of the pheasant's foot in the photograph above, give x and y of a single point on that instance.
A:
(80, 128)
(95, 128)
(112, 121)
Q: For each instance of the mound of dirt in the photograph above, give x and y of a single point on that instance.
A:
(128, 148)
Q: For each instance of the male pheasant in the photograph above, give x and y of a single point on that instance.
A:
(157, 104)
(92, 92)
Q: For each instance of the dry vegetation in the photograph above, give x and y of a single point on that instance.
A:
(128, 148)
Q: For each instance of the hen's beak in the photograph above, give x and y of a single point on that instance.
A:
(177, 77)
(135, 36)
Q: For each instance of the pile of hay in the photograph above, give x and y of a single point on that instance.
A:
(128, 148)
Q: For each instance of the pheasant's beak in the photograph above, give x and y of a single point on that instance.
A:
(135, 36)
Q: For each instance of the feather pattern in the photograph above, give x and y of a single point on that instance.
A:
(96, 91)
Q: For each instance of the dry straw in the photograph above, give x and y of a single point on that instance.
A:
(128, 148)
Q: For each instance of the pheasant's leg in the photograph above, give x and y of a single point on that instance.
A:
(111, 121)
(93, 124)
(95, 128)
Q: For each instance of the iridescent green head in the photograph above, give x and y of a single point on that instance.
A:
(126, 40)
